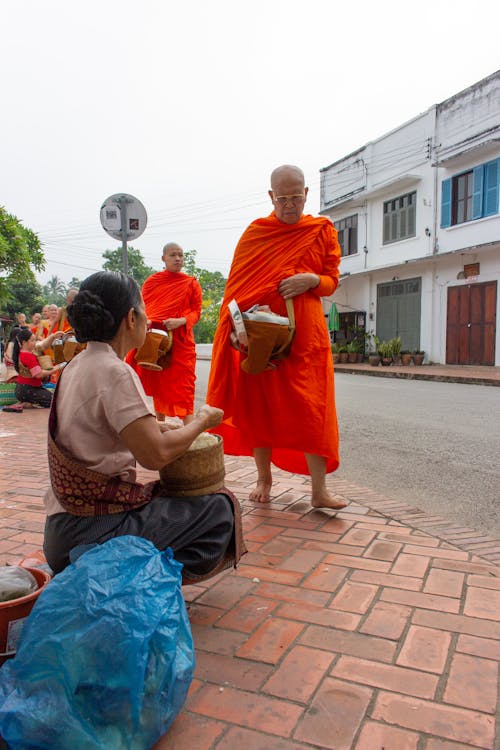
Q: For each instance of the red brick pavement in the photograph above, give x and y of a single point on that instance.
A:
(375, 628)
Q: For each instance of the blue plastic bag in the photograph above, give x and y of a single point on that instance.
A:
(106, 656)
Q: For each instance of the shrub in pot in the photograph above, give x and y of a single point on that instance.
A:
(335, 352)
(353, 351)
(385, 351)
(405, 357)
(396, 350)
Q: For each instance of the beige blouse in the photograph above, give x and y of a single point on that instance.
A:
(98, 396)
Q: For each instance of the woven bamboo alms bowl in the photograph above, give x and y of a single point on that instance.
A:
(199, 471)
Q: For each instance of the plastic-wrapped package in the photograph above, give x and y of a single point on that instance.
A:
(15, 582)
(106, 656)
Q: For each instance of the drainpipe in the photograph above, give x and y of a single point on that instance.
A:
(435, 149)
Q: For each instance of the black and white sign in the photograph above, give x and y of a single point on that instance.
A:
(123, 217)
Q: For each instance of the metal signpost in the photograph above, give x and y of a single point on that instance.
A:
(124, 218)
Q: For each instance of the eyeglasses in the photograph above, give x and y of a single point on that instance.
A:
(282, 200)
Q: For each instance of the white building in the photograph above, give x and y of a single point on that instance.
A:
(417, 212)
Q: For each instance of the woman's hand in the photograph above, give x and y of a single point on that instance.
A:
(298, 284)
(211, 414)
(154, 447)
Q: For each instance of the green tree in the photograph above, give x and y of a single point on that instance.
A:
(74, 283)
(54, 291)
(20, 253)
(212, 285)
(24, 296)
(136, 266)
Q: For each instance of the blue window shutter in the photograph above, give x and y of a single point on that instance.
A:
(446, 203)
(491, 187)
(477, 192)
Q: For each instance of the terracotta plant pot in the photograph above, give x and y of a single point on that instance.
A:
(418, 359)
(352, 357)
(374, 360)
(406, 359)
(335, 356)
(343, 357)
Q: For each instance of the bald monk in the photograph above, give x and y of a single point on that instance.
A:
(173, 303)
(284, 415)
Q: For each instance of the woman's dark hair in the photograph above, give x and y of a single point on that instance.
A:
(21, 335)
(101, 304)
(14, 331)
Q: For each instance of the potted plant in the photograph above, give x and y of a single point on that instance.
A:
(361, 337)
(396, 350)
(352, 351)
(343, 354)
(335, 352)
(405, 357)
(385, 351)
(418, 357)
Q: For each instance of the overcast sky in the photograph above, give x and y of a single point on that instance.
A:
(189, 106)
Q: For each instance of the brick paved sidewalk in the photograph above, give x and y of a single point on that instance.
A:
(377, 628)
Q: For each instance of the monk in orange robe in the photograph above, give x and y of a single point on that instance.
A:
(284, 415)
(173, 303)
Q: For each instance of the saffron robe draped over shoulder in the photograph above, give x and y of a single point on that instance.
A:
(290, 409)
(172, 295)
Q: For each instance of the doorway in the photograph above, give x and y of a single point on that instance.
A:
(471, 324)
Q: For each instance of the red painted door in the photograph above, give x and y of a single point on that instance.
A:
(471, 324)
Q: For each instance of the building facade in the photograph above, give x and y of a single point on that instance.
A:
(417, 213)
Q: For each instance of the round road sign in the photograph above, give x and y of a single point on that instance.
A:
(123, 216)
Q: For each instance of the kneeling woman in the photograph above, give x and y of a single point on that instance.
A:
(29, 387)
(101, 424)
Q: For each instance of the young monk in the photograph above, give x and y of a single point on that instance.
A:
(173, 303)
(284, 415)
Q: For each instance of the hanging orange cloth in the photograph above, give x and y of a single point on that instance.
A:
(290, 409)
(172, 295)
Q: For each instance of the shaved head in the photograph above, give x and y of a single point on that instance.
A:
(173, 257)
(286, 172)
(288, 193)
(72, 292)
(171, 246)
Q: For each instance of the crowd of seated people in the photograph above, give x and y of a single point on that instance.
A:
(28, 358)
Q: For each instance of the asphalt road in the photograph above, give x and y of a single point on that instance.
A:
(433, 445)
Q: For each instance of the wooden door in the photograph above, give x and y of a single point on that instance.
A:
(471, 324)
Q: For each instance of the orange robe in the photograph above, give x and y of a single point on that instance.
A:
(63, 325)
(290, 409)
(172, 295)
(40, 330)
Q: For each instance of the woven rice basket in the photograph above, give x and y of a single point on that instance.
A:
(45, 362)
(197, 472)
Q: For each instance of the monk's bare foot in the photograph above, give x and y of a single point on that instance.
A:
(262, 491)
(325, 500)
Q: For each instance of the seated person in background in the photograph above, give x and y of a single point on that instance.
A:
(11, 372)
(101, 424)
(29, 387)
